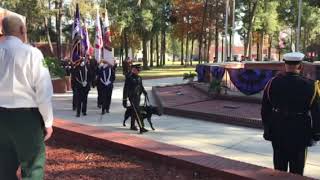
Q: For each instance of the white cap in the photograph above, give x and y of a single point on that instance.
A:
(293, 56)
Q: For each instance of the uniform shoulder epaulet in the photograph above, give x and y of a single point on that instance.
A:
(316, 91)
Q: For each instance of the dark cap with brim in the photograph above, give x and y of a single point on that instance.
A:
(137, 66)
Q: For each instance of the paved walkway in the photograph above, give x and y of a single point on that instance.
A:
(234, 142)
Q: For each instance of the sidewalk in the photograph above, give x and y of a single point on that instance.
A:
(234, 142)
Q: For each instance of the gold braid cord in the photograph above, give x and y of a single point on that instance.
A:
(316, 91)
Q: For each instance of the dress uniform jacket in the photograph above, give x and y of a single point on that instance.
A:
(106, 77)
(133, 88)
(290, 111)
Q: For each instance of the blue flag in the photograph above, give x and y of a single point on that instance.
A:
(76, 37)
(85, 41)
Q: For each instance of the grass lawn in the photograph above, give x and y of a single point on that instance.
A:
(169, 70)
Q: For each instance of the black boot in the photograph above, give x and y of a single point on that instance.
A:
(142, 130)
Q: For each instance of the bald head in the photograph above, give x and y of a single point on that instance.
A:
(14, 26)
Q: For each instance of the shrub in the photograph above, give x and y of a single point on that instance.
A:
(54, 67)
(189, 75)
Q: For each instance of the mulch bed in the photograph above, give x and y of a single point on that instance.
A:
(69, 162)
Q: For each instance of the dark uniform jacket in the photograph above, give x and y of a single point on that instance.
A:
(82, 77)
(103, 76)
(133, 87)
(290, 111)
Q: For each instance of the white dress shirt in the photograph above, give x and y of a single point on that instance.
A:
(24, 80)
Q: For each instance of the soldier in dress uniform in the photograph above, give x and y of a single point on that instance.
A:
(81, 78)
(291, 115)
(106, 77)
(133, 88)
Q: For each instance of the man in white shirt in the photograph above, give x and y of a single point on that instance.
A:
(25, 104)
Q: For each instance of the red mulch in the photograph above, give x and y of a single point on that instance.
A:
(74, 162)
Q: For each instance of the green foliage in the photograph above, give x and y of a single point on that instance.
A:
(189, 75)
(54, 67)
(216, 86)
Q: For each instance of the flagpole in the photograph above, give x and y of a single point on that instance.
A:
(226, 32)
(233, 28)
(299, 26)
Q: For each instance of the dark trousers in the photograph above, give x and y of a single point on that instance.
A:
(74, 97)
(99, 99)
(136, 115)
(81, 99)
(21, 143)
(106, 95)
(289, 157)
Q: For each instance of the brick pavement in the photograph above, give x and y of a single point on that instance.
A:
(188, 101)
(199, 163)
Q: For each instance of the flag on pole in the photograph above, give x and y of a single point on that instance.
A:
(107, 48)
(76, 37)
(98, 39)
(85, 40)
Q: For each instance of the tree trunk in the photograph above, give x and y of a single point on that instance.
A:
(202, 29)
(222, 50)
(191, 52)
(163, 47)
(126, 43)
(209, 45)
(58, 29)
(187, 49)
(151, 52)
(205, 57)
(144, 52)
(216, 44)
(258, 50)
(261, 40)
(249, 33)
(230, 47)
(304, 44)
(48, 34)
(157, 49)
(270, 47)
(181, 57)
(204, 49)
(216, 48)
(121, 50)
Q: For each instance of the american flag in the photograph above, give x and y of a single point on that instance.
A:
(76, 37)
(98, 39)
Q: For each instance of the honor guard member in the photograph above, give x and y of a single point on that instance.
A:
(25, 104)
(82, 83)
(106, 77)
(291, 115)
(133, 88)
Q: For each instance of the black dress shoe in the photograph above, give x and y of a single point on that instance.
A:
(107, 111)
(142, 130)
(84, 113)
(103, 112)
(78, 115)
(133, 128)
